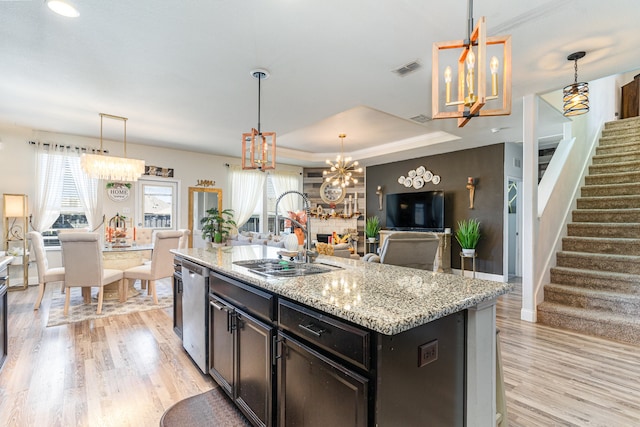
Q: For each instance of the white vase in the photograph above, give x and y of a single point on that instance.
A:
(468, 252)
(291, 243)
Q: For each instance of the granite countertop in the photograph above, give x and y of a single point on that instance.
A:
(384, 298)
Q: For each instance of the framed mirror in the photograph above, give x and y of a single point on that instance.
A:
(201, 200)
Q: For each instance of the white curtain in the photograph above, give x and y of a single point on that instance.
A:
(287, 181)
(246, 189)
(49, 176)
(88, 192)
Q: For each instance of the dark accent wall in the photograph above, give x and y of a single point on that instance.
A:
(485, 165)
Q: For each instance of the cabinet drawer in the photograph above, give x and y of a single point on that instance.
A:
(245, 297)
(343, 340)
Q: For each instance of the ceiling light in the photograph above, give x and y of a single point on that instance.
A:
(341, 172)
(63, 8)
(471, 75)
(112, 168)
(259, 148)
(576, 95)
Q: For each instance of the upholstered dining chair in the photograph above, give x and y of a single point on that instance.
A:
(161, 263)
(408, 250)
(184, 239)
(82, 258)
(45, 274)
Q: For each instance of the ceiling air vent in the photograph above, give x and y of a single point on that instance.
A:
(407, 68)
(420, 118)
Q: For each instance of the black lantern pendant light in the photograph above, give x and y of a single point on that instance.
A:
(576, 95)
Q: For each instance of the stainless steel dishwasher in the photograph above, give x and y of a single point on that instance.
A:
(195, 285)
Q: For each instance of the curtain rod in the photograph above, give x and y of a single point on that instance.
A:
(76, 148)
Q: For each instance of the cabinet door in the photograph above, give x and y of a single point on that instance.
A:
(221, 343)
(316, 391)
(177, 304)
(255, 369)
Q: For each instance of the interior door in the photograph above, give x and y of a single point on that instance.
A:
(157, 206)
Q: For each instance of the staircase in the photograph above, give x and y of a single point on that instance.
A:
(595, 288)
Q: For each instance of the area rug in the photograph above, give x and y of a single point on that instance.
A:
(79, 311)
(211, 408)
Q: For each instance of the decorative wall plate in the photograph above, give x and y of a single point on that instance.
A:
(418, 182)
(421, 170)
(427, 176)
(401, 179)
(408, 182)
(412, 173)
(436, 179)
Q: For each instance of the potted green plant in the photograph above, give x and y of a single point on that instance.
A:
(372, 228)
(216, 225)
(468, 235)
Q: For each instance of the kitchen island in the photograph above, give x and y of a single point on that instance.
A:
(388, 345)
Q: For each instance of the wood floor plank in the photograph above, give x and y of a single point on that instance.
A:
(127, 370)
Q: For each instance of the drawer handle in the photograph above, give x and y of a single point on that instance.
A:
(217, 306)
(313, 329)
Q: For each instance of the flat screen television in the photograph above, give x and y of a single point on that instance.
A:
(423, 211)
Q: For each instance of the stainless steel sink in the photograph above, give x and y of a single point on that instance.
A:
(283, 268)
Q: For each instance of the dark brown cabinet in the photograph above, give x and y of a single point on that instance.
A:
(4, 339)
(177, 297)
(314, 390)
(241, 348)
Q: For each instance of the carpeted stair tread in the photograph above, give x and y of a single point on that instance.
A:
(617, 167)
(591, 322)
(603, 245)
(607, 215)
(604, 229)
(629, 121)
(597, 261)
(594, 299)
(623, 282)
(597, 190)
(613, 178)
(628, 201)
(626, 146)
(613, 158)
(211, 408)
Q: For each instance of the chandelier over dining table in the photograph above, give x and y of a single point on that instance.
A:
(341, 171)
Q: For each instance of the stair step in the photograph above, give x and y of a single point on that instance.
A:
(607, 215)
(629, 166)
(614, 263)
(628, 122)
(613, 134)
(630, 177)
(627, 146)
(600, 229)
(603, 280)
(606, 325)
(592, 299)
(609, 190)
(605, 159)
(602, 245)
(609, 202)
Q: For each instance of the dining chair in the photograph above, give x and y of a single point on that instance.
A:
(82, 258)
(408, 250)
(184, 239)
(161, 263)
(45, 274)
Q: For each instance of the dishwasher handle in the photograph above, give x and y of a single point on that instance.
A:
(194, 268)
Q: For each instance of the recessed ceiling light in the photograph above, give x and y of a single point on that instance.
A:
(63, 8)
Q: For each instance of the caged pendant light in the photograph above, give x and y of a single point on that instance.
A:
(576, 95)
(259, 148)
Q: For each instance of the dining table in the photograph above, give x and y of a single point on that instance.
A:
(122, 257)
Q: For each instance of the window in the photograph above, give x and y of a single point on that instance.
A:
(72, 213)
(157, 207)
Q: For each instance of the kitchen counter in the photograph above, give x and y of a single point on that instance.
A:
(5, 260)
(384, 298)
(403, 313)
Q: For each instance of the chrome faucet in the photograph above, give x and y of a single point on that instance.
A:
(309, 254)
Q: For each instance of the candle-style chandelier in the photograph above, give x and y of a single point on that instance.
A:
(341, 171)
(472, 94)
(259, 148)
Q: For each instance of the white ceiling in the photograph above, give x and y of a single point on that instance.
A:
(179, 70)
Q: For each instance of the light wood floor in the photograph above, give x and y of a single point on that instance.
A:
(127, 370)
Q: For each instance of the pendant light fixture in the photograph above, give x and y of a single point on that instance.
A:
(112, 168)
(472, 94)
(341, 172)
(259, 148)
(576, 95)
